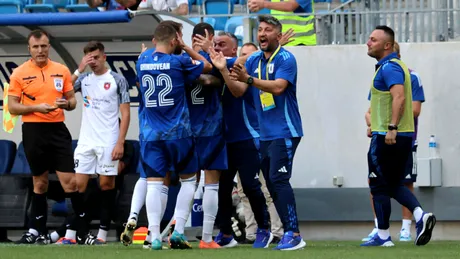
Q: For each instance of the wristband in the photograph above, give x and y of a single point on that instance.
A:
(77, 73)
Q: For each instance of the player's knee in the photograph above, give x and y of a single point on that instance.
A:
(40, 185)
(212, 176)
(188, 179)
(107, 185)
(68, 182)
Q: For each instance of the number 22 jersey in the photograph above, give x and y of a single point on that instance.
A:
(163, 78)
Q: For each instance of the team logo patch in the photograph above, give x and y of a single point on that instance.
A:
(106, 86)
(58, 84)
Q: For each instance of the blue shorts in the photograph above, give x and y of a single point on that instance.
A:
(388, 163)
(212, 153)
(160, 157)
(411, 167)
(277, 158)
(141, 171)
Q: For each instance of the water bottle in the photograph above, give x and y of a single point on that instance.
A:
(433, 147)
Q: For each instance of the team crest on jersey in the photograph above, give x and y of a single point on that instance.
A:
(106, 86)
(58, 84)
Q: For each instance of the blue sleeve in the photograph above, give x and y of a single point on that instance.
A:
(369, 96)
(392, 74)
(192, 68)
(249, 64)
(417, 88)
(304, 6)
(205, 55)
(286, 67)
(231, 62)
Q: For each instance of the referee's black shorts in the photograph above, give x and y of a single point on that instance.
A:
(48, 147)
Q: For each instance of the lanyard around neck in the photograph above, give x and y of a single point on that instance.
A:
(268, 63)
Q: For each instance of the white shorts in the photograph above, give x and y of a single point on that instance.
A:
(95, 160)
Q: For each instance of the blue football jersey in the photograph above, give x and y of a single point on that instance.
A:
(240, 116)
(163, 78)
(283, 120)
(205, 108)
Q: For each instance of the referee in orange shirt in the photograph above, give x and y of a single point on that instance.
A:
(40, 89)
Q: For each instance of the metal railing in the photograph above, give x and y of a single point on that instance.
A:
(353, 21)
(412, 20)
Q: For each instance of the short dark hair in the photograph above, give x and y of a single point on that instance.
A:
(164, 33)
(92, 46)
(177, 26)
(250, 44)
(388, 31)
(37, 34)
(229, 34)
(201, 27)
(271, 20)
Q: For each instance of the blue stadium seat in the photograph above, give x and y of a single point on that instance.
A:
(8, 152)
(20, 165)
(191, 3)
(219, 7)
(11, 6)
(231, 26)
(209, 20)
(47, 6)
(74, 6)
(263, 11)
(232, 23)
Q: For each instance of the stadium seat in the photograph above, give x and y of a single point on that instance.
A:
(11, 6)
(8, 152)
(47, 6)
(191, 3)
(232, 24)
(74, 6)
(263, 11)
(20, 165)
(218, 7)
(209, 20)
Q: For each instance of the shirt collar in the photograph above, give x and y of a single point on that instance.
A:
(387, 58)
(262, 56)
(32, 64)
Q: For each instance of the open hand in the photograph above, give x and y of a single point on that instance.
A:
(218, 59)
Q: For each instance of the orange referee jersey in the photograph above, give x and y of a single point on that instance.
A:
(41, 85)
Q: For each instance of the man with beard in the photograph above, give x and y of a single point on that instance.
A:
(140, 188)
(242, 136)
(167, 143)
(273, 77)
(392, 127)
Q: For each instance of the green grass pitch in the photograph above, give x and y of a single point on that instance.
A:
(314, 250)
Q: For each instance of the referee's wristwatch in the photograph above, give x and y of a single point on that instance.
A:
(392, 127)
(250, 80)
